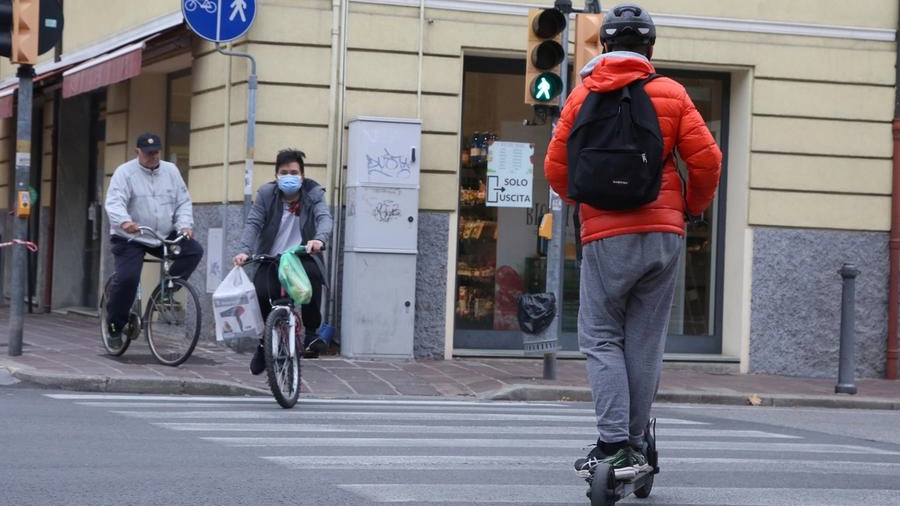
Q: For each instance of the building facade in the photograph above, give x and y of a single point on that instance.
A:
(800, 97)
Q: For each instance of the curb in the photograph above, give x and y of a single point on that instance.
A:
(136, 384)
(583, 394)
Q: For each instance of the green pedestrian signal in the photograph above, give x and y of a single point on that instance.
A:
(546, 86)
(544, 54)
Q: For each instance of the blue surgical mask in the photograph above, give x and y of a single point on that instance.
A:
(289, 183)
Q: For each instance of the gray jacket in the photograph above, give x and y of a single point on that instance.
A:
(264, 219)
(155, 198)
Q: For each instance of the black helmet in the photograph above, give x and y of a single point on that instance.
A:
(628, 24)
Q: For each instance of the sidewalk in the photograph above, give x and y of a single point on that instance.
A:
(64, 351)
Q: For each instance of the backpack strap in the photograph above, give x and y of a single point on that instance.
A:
(671, 156)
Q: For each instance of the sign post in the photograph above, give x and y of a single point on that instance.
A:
(223, 21)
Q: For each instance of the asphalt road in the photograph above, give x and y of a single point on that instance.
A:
(64, 448)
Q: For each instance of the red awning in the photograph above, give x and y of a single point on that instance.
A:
(8, 94)
(120, 65)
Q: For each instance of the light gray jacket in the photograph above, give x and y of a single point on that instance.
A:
(155, 198)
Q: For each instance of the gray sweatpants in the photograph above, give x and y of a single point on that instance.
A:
(627, 285)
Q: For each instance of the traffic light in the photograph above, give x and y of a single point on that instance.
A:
(29, 28)
(545, 52)
(587, 38)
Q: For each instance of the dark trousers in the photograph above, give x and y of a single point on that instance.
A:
(268, 287)
(129, 259)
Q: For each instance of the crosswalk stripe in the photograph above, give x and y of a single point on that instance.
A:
(420, 462)
(736, 446)
(548, 463)
(148, 397)
(845, 467)
(373, 442)
(356, 416)
(538, 430)
(566, 494)
(732, 446)
(153, 405)
(306, 401)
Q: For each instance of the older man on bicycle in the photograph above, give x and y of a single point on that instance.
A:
(145, 191)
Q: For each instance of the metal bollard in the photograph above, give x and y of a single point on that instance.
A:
(847, 352)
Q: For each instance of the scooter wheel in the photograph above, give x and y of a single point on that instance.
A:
(602, 484)
(644, 492)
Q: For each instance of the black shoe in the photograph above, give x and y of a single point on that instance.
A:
(584, 467)
(258, 362)
(315, 346)
(113, 335)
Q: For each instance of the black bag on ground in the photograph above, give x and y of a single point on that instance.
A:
(536, 311)
(615, 149)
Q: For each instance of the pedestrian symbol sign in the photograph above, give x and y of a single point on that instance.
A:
(219, 20)
(543, 89)
(546, 86)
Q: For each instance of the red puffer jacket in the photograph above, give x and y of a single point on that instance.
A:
(681, 126)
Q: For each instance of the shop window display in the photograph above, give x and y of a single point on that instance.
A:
(477, 254)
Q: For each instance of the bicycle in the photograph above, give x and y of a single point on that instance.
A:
(171, 321)
(281, 335)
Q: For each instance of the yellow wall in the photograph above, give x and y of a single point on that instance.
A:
(89, 22)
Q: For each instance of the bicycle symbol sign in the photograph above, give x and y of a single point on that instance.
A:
(219, 20)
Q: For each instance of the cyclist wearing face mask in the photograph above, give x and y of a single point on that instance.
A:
(286, 212)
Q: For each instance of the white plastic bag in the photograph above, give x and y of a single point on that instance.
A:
(236, 308)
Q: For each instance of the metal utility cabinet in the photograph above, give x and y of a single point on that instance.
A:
(380, 248)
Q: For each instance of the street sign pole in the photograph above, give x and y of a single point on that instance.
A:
(20, 222)
(252, 84)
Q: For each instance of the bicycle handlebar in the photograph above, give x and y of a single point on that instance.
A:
(274, 258)
(143, 229)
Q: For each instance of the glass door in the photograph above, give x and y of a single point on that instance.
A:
(695, 325)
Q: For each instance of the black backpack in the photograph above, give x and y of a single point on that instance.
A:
(615, 149)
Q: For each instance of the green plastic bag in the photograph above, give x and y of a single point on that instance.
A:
(293, 276)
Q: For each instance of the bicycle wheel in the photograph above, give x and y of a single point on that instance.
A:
(282, 366)
(104, 330)
(172, 322)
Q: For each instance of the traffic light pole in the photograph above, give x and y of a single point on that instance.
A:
(20, 222)
(556, 257)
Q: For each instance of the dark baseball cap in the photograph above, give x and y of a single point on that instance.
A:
(149, 142)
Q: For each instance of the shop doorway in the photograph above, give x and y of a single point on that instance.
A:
(78, 203)
(499, 254)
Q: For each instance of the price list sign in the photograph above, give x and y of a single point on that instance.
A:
(509, 174)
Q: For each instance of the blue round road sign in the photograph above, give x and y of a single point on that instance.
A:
(219, 20)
